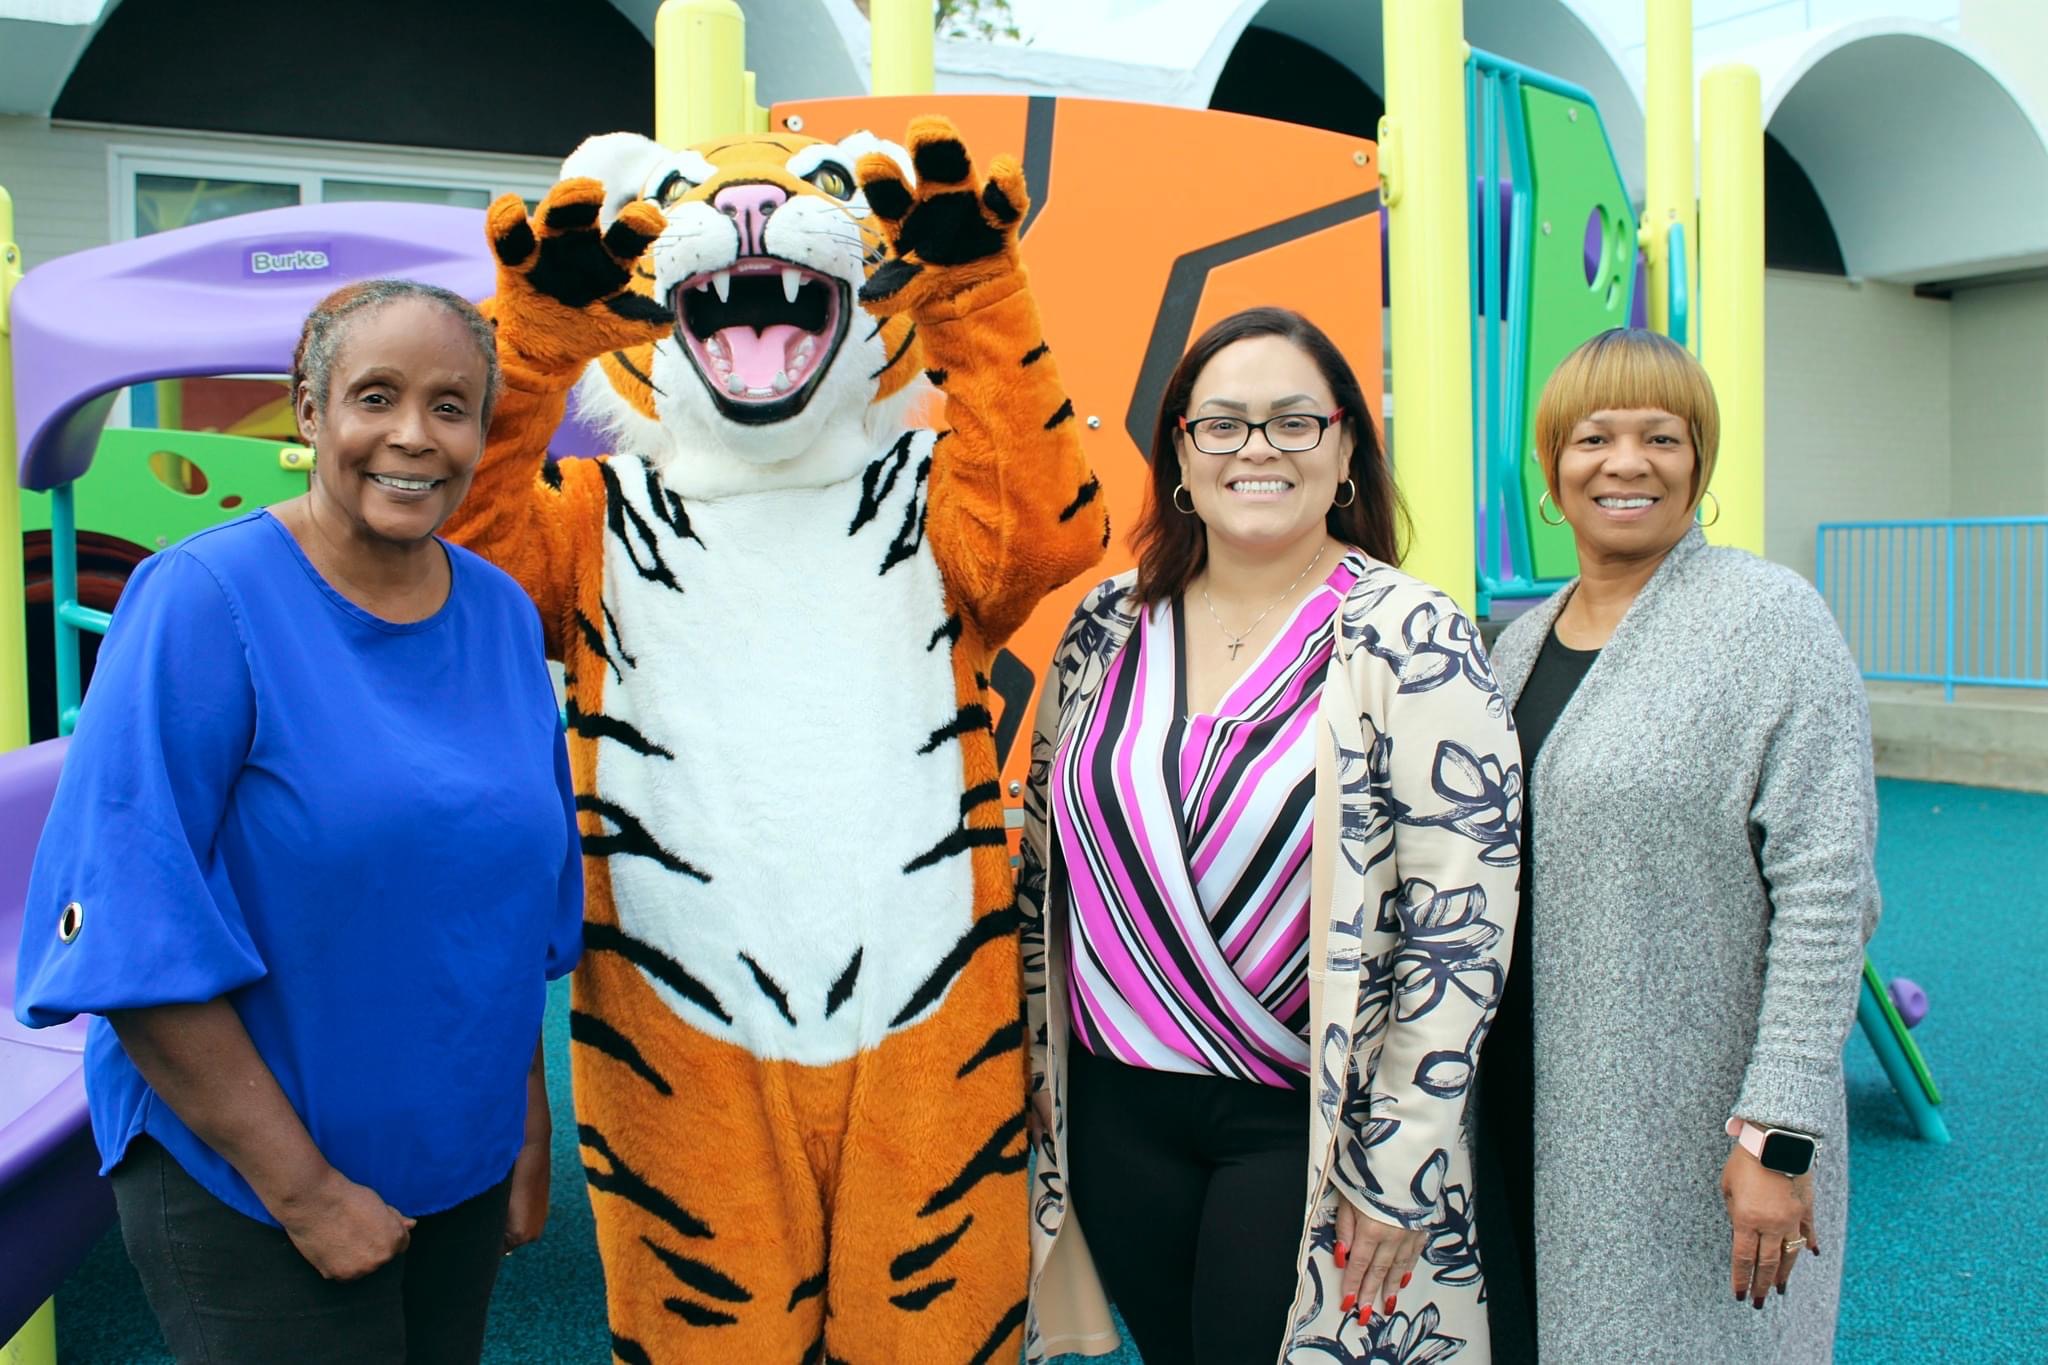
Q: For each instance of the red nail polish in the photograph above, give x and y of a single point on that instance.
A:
(1365, 1312)
(1390, 1305)
(1342, 1255)
(1405, 1279)
(1345, 1307)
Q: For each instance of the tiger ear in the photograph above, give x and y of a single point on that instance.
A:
(622, 161)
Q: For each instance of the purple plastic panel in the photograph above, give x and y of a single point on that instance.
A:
(53, 1203)
(226, 297)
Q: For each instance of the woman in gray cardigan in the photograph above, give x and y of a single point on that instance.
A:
(1698, 887)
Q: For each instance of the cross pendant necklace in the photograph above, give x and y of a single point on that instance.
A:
(1236, 639)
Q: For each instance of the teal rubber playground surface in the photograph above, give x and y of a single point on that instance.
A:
(1945, 1256)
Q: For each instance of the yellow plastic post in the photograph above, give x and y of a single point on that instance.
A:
(1427, 188)
(1668, 196)
(13, 631)
(700, 62)
(36, 1342)
(1732, 293)
(900, 47)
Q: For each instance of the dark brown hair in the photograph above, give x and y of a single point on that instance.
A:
(1171, 547)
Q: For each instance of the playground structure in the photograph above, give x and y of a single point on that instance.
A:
(1490, 182)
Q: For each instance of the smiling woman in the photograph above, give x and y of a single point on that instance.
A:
(1698, 883)
(325, 747)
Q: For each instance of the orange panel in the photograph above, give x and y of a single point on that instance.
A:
(1148, 224)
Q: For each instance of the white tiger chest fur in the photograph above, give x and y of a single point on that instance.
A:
(781, 679)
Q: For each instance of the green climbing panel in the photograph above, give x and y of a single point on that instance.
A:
(153, 488)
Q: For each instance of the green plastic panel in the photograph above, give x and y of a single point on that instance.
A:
(1572, 178)
(153, 488)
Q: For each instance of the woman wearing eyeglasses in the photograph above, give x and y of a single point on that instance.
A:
(1269, 868)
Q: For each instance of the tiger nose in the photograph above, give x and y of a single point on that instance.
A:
(749, 206)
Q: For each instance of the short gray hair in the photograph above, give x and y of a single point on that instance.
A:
(328, 325)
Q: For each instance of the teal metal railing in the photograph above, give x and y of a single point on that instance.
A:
(70, 616)
(1962, 602)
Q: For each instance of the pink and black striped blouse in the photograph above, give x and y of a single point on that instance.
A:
(1187, 852)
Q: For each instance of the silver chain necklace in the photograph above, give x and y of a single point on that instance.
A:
(1237, 640)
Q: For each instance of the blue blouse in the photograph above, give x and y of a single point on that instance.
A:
(361, 833)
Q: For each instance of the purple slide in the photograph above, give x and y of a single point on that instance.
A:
(53, 1204)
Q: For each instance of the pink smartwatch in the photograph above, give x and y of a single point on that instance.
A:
(1776, 1149)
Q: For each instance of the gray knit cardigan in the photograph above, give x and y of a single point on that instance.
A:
(1704, 886)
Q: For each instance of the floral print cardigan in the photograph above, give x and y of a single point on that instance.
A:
(1412, 908)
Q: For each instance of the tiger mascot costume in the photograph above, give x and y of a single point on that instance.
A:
(799, 1064)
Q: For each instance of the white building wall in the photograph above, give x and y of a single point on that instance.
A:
(1998, 395)
(61, 176)
(1857, 408)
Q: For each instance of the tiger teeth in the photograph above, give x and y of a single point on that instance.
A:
(721, 284)
(792, 280)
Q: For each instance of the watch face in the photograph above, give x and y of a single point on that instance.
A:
(1787, 1153)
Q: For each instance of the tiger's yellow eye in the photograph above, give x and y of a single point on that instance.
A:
(672, 188)
(833, 179)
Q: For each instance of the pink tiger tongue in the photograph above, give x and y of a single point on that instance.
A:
(758, 356)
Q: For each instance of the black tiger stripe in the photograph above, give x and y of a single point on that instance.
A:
(987, 1162)
(842, 988)
(1035, 354)
(981, 793)
(890, 364)
(910, 534)
(629, 367)
(639, 308)
(1000, 1333)
(593, 640)
(949, 632)
(971, 717)
(595, 1034)
(562, 217)
(996, 924)
(770, 987)
(925, 1255)
(694, 1274)
(956, 843)
(917, 1300)
(1007, 1038)
(630, 1351)
(633, 532)
(697, 1315)
(937, 377)
(551, 473)
(628, 1184)
(611, 624)
(1064, 412)
(1082, 497)
(630, 839)
(595, 725)
(609, 938)
(890, 276)
(807, 1289)
(668, 506)
(878, 480)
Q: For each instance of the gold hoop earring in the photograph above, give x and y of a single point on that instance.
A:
(1351, 484)
(1539, 510)
(1717, 509)
(1174, 498)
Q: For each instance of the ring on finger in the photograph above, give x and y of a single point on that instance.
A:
(1793, 1244)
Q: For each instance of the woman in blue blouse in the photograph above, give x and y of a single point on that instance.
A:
(312, 861)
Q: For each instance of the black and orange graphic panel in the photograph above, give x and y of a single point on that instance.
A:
(1147, 224)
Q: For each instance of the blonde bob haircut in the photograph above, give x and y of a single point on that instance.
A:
(1618, 370)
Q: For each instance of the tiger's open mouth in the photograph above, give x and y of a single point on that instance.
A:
(761, 332)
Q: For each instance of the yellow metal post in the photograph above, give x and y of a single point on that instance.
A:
(700, 71)
(1668, 191)
(900, 47)
(13, 632)
(1732, 293)
(1427, 188)
(36, 1342)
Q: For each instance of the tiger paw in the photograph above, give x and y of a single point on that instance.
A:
(565, 285)
(946, 237)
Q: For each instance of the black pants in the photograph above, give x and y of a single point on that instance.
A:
(227, 1289)
(1191, 1191)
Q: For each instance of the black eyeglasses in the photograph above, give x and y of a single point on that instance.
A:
(1292, 432)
